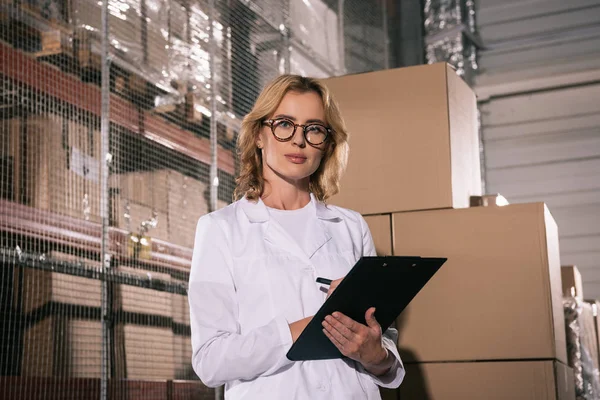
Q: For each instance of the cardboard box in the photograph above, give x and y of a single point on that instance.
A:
(413, 140)
(125, 32)
(157, 44)
(63, 167)
(144, 352)
(140, 300)
(179, 201)
(498, 297)
(39, 288)
(180, 309)
(183, 357)
(59, 346)
(572, 284)
(129, 216)
(381, 230)
(11, 158)
(514, 380)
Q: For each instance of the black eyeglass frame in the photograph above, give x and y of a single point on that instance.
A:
(271, 123)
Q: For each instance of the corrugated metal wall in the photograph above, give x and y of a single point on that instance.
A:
(539, 88)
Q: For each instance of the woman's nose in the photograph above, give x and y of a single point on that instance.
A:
(298, 138)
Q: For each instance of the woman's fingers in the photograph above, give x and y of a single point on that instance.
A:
(355, 340)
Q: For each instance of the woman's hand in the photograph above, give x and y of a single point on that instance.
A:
(359, 342)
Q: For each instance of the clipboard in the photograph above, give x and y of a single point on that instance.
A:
(387, 283)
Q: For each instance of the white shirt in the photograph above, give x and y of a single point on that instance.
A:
(293, 222)
(249, 281)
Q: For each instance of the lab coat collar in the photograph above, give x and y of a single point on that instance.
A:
(257, 211)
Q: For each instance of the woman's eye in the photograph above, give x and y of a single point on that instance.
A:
(315, 129)
(284, 124)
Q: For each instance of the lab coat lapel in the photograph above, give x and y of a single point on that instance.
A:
(319, 234)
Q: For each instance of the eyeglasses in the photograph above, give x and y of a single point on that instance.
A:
(284, 129)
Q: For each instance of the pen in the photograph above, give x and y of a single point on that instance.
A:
(324, 281)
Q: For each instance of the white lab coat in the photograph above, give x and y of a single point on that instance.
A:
(249, 280)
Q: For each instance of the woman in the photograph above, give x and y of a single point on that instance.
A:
(252, 284)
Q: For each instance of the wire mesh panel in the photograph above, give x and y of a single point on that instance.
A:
(118, 124)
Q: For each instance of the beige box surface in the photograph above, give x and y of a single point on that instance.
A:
(11, 156)
(498, 297)
(183, 357)
(41, 287)
(514, 380)
(63, 166)
(137, 213)
(180, 309)
(178, 199)
(144, 352)
(572, 284)
(63, 347)
(136, 299)
(381, 230)
(413, 140)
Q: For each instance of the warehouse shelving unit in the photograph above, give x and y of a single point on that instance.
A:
(172, 117)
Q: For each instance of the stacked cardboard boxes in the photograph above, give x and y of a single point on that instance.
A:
(175, 200)
(64, 336)
(62, 172)
(489, 324)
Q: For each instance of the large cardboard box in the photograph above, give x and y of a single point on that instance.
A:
(180, 309)
(413, 140)
(572, 284)
(62, 346)
(139, 300)
(498, 297)
(11, 158)
(37, 288)
(63, 166)
(125, 30)
(183, 357)
(514, 380)
(178, 200)
(381, 231)
(144, 352)
(130, 216)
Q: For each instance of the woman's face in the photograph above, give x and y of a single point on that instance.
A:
(294, 160)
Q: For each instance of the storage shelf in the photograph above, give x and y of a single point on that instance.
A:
(51, 81)
(14, 387)
(85, 270)
(86, 236)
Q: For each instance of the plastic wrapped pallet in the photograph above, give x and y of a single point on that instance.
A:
(587, 382)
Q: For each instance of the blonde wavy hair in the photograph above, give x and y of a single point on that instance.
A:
(325, 181)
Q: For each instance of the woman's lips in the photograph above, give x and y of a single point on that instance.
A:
(296, 158)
